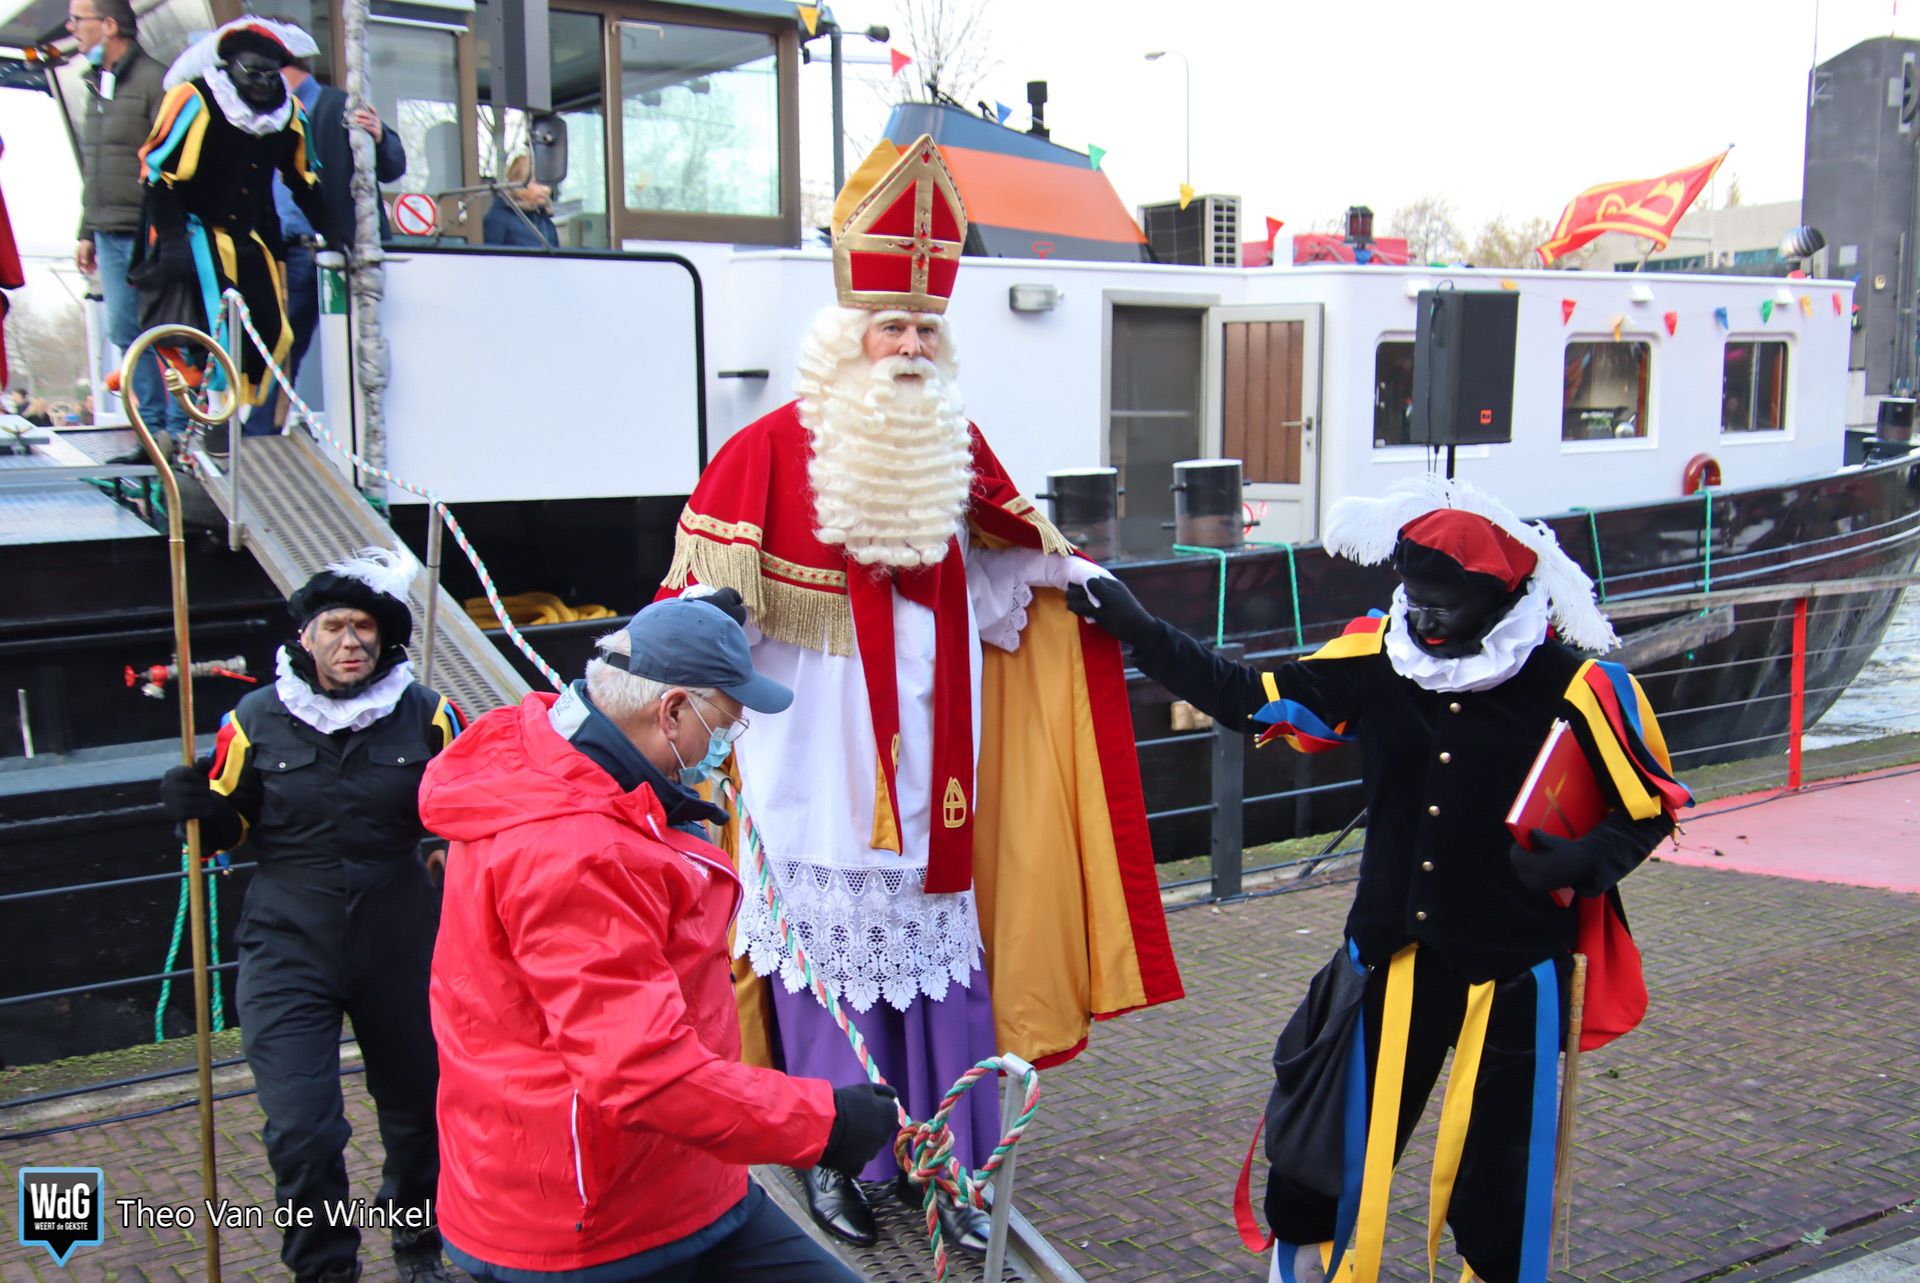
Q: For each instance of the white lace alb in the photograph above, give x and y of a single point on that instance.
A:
(870, 933)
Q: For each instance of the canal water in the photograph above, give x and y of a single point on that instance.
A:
(1885, 698)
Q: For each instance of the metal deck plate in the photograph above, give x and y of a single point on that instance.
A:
(902, 1254)
(300, 514)
(65, 512)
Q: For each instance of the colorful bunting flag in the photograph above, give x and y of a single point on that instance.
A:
(1720, 315)
(1673, 322)
(900, 60)
(1566, 310)
(1001, 110)
(1186, 195)
(1766, 310)
(1618, 322)
(1836, 303)
(810, 18)
(1806, 305)
(1274, 225)
(1095, 154)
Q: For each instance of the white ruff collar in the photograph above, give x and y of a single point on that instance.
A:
(1500, 656)
(240, 115)
(354, 713)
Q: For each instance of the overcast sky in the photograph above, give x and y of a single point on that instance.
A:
(1505, 106)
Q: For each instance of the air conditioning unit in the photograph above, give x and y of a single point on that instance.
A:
(1204, 234)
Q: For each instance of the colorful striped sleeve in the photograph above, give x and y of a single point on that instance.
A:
(231, 748)
(172, 150)
(448, 720)
(1303, 728)
(1633, 751)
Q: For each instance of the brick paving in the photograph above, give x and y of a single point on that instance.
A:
(1764, 1123)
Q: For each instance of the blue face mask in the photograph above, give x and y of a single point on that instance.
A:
(718, 746)
(97, 56)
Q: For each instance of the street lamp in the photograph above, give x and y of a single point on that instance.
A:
(1186, 76)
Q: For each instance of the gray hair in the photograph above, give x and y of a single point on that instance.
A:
(621, 695)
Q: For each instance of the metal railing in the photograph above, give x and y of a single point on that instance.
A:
(1226, 878)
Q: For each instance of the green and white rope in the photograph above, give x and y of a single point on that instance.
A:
(923, 1150)
(315, 421)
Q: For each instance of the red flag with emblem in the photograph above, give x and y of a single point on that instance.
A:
(1648, 207)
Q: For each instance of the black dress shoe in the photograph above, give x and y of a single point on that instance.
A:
(963, 1227)
(838, 1206)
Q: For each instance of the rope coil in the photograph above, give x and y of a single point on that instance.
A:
(924, 1150)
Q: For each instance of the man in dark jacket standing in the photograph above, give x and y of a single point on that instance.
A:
(319, 775)
(123, 94)
(327, 126)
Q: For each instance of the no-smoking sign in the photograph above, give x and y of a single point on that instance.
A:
(415, 214)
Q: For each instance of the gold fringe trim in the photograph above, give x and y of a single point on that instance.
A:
(816, 618)
(1051, 540)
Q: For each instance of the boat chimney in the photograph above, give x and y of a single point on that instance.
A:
(1086, 507)
(1037, 99)
(1207, 507)
(1359, 226)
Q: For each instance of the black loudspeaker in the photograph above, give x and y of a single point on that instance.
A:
(1463, 367)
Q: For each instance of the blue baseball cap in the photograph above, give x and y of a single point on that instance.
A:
(686, 642)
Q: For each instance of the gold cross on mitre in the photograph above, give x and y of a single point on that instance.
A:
(899, 229)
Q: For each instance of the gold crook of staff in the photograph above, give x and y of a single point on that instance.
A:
(176, 385)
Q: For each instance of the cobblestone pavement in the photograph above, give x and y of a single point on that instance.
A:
(1763, 1124)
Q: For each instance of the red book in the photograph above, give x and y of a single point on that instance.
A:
(1560, 795)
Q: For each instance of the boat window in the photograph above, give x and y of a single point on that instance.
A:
(1753, 385)
(414, 74)
(1392, 392)
(1605, 390)
(576, 59)
(699, 120)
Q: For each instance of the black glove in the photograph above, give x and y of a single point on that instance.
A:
(1107, 603)
(728, 599)
(865, 1118)
(187, 794)
(1590, 864)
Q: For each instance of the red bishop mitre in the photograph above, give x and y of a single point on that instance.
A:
(899, 226)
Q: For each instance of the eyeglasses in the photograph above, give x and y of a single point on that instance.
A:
(729, 733)
(253, 73)
(75, 19)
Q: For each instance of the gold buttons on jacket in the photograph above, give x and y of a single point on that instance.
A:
(1445, 758)
(1454, 707)
(1426, 866)
(1433, 810)
(1421, 916)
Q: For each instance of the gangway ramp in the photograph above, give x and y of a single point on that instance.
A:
(297, 512)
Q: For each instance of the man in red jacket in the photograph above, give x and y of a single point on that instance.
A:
(595, 1120)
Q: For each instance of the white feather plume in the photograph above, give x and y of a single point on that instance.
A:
(385, 570)
(1365, 531)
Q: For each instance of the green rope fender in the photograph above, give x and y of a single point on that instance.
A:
(1293, 582)
(1220, 606)
(173, 950)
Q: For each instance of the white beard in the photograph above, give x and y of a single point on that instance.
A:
(892, 465)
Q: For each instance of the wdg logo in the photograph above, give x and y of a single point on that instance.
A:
(61, 1208)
